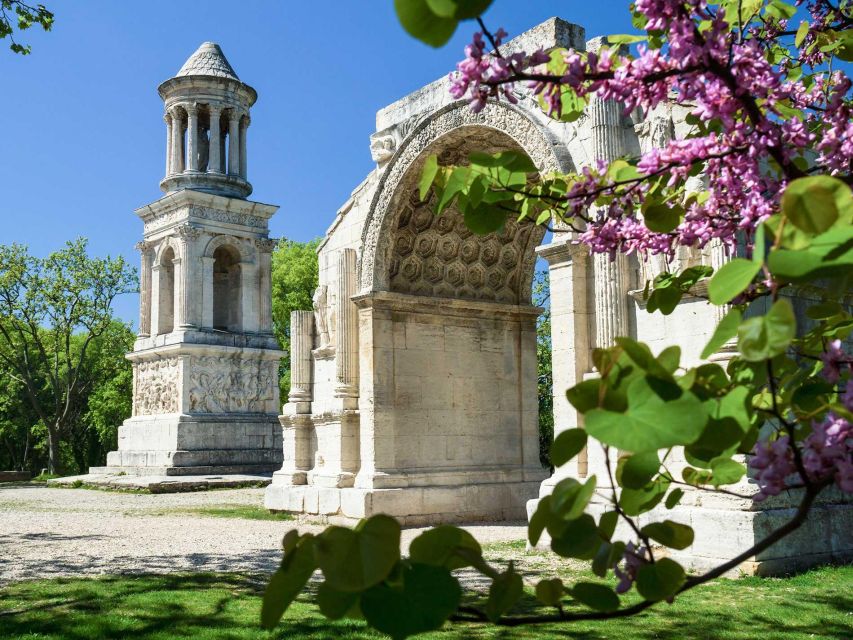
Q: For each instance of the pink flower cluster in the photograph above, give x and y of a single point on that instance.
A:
(481, 76)
(729, 83)
(773, 462)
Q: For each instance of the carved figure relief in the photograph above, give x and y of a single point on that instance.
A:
(156, 387)
(229, 385)
(324, 317)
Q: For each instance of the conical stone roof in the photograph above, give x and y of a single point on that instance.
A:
(208, 60)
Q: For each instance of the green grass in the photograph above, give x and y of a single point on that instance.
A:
(44, 477)
(817, 604)
(245, 512)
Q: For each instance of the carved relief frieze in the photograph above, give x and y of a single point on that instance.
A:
(229, 217)
(156, 389)
(232, 385)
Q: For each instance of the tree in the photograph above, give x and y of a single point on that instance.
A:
(545, 379)
(295, 276)
(17, 14)
(53, 311)
(772, 136)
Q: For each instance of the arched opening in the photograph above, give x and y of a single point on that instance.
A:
(463, 355)
(227, 290)
(166, 300)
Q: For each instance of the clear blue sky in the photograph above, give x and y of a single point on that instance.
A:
(83, 142)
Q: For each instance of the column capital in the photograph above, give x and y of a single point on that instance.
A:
(175, 111)
(234, 114)
(167, 118)
(188, 232)
(214, 108)
(191, 109)
(245, 121)
(144, 246)
(266, 245)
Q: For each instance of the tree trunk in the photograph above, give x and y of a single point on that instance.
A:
(53, 450)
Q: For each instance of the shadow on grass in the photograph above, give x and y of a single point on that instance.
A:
(208, 606)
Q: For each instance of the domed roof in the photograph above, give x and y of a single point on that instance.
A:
(208, 60)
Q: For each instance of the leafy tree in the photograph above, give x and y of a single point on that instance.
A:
(772, 135)
(295, 276)
(545, 380)
(17, 14)
(53, 312)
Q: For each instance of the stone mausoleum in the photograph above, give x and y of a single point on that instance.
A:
(205, 363)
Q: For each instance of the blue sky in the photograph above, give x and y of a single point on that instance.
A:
(84, 138)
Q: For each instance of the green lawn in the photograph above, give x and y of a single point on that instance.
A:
(817, 604)
(243, 511)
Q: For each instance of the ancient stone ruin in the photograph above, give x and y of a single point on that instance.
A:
(414, 378)
(205, 364)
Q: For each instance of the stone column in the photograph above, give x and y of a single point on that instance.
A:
(729, 349)
(346, 358)
(265, 248)
(177, 141)
(167, 118)
(233, 143)
(207, 292)
(214, 164)
(301, 342)
(145, 289)
(192, 137)
(611, 275)
(185, 292)
(244, 125)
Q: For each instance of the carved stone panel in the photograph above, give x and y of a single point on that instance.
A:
(156, 390)
(232, 385)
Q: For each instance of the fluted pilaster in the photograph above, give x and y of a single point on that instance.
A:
(611, 274)
(147, 256)
(177, 164)
(301, 338)
(265, 247)
(192, 137)
(347, 326)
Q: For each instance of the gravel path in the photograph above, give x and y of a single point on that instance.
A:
(47, 532)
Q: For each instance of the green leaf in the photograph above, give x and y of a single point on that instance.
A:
(725, 331)
(578, 539)
(812, 203)
(669, 534)
(427, 598)
(584, 395)
(802, 32)
(428, 175)
(626, 38)
(637, 501)
(550, 592)
(607, 524)
(829, 255)
(438, 547)
(505, 591)
(356, 559)
(419, 21)
(637, 470)
(767, 336)
(662, 218)
(674, 498)
(595, 596)
(650, 423)
(661, 580)
(458, 9)
(335, 604)
(296, 569)
(539, 520)
(483, 220)
(567, 445)
(726, 471)
(569, 498)
(455, 184)
(732, 278)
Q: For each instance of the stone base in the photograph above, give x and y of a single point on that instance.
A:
(173, 445)
(726, 526)
(161, 483)
(414, 506)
